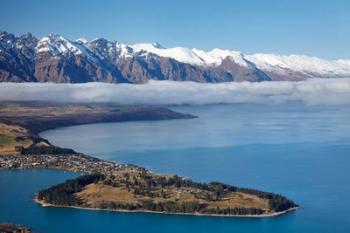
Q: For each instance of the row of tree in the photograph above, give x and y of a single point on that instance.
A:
(174, 207)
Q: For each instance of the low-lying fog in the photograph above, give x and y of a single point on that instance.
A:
(312, 91)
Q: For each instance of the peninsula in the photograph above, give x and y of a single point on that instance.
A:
(109, 185)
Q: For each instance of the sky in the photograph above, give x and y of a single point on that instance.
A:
(312, 27)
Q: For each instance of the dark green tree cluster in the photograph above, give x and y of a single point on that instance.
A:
(174, 207)
(47, 150)
(168, 207)
(234, 211)
(276, 202)
(63, 194)
(110, 205)
(279, 203)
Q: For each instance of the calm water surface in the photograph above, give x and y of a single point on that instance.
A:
(299, 151)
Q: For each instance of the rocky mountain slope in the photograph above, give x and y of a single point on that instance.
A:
(54, 58)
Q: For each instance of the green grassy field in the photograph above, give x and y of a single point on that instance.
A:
(4, 139)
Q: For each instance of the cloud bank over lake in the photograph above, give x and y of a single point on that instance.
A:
(312, 91)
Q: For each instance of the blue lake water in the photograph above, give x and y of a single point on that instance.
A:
(300, 151)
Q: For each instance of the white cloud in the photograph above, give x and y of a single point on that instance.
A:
(313, 91)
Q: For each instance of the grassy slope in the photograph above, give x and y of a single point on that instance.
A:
(12, 136)
(95, 194)
(120, 192)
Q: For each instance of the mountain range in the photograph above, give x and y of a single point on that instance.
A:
(54, 58)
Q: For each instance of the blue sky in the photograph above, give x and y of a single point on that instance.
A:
(312, 27)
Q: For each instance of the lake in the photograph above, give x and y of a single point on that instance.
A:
(300, 151)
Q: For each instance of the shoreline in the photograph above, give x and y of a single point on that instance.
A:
(68, 160)
(272, 215)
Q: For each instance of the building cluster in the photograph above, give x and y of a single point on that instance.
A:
(68, 162)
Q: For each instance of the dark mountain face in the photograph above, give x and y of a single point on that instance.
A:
(56, 59)
(71, 68)
(17, 57)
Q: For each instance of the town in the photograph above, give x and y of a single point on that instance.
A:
(76, 162)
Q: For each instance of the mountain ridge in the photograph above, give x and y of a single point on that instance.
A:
(53, 58)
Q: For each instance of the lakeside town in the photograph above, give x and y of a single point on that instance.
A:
(68, 162)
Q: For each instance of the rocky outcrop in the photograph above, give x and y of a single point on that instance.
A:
(12, 228)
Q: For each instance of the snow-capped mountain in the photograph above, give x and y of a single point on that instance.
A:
(266, 62)
(54, 58)
(192, 56)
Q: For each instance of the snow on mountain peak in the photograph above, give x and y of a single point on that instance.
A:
(193, 56)
(57, 45)
(300, 63)
(180, 54)
(124, 50)
(157, 45)
(103, 48)
(148, 47)
(82, 40)
(109, 49)
(216, 56)
(266, 62)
